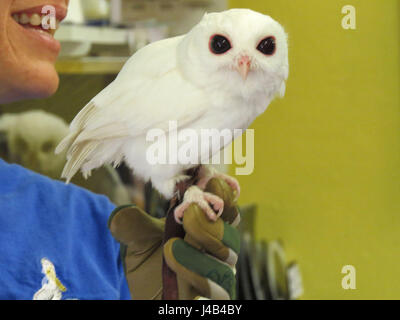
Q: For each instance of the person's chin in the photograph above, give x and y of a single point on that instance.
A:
(45, 87)
(38, 83)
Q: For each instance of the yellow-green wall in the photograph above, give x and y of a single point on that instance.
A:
(327, 156)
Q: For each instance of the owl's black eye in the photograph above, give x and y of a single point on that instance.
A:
(267, 46)
(219, 44)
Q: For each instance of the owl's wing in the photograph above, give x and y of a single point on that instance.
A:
(148, 93)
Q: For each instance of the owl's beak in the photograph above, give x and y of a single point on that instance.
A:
(243, 66)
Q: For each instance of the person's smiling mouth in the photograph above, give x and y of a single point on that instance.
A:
(31, 21)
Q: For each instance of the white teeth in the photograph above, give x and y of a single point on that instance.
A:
(35, 20)
(24, 19)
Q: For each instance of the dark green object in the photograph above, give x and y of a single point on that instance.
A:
(205, 266)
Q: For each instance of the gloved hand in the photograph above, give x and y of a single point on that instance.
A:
(204, 261)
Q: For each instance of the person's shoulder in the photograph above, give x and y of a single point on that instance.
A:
(48, 193)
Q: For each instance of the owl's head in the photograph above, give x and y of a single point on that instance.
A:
(240, 50)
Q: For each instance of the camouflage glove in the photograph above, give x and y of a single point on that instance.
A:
(204, 261)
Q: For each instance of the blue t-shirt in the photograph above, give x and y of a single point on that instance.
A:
(54, 240)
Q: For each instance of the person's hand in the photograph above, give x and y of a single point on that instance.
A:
(204, 261)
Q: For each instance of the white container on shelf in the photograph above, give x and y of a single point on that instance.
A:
(96, 10)
(75, 13)
(128, 12)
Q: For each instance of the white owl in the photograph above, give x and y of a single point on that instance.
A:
(222, 74)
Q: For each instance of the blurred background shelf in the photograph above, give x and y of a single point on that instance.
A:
(93, 34)
(90, 65)
(98, 35)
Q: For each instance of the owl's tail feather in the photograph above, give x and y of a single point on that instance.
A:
(91, 148)
(66, 143)
(91, 154)
(77, 126)
(79, 154)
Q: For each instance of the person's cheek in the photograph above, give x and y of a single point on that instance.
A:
(28, 66)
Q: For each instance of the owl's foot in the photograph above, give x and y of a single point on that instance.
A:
(207, 173)
(212, 205)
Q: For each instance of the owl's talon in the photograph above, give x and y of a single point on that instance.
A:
(208, 202)
(217, 205)
(178, 212)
